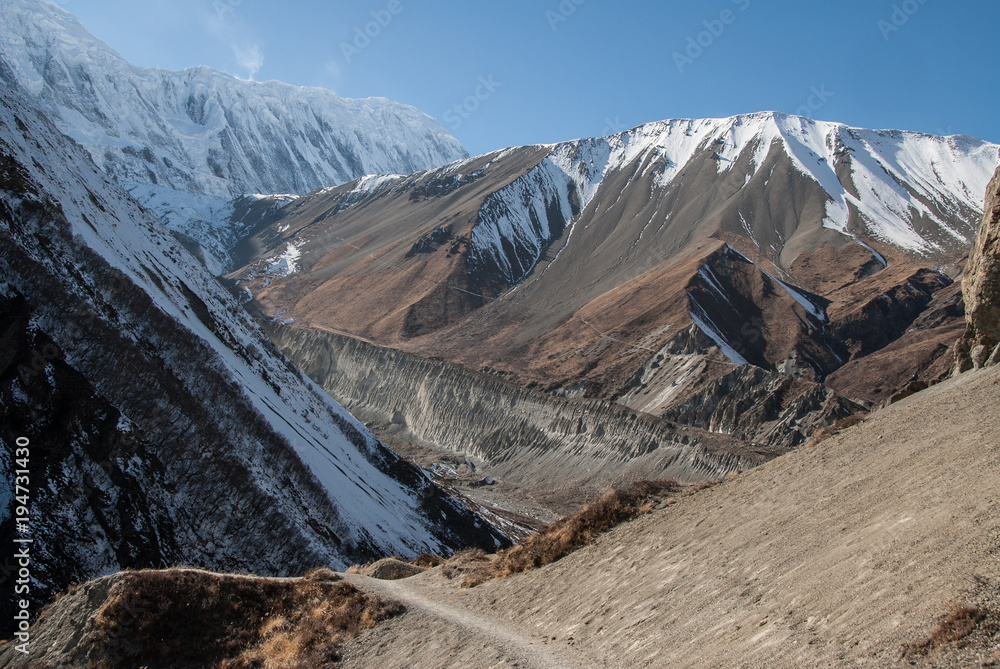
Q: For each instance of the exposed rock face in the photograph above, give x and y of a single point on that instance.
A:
(526, 436)
(981, 287)
(761, 406)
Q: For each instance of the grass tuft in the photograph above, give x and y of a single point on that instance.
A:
(958, 623)
(563, 536)
(833, 430)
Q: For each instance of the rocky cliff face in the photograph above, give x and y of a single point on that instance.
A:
(761, 406)
(981, 288)
(525, 436)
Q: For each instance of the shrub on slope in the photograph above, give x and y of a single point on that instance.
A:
(188, 618)
(567, 534)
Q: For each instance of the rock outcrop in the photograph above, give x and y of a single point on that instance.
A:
(761, 406)
(980, 345)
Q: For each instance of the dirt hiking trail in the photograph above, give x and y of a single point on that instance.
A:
(495, 642)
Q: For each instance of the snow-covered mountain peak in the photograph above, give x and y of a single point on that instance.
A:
(202, 131)
(186, 142)
(34, 29)
(860, 170)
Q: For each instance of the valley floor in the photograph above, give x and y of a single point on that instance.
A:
(835, 555)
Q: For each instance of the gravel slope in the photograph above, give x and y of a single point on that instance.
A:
(831, 556)
(441, 633)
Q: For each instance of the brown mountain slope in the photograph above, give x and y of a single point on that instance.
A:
(584, 268)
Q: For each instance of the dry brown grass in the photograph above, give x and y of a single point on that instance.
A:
(189, 618)
(958, 623)
(563, 536)
(835, 429)
(463, 562)
(425, 561)
(428, 561)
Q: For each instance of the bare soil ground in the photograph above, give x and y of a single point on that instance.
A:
(844, 554)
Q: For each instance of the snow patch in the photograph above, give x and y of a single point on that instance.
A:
(704, 323)
(286, 263)
(796, 294)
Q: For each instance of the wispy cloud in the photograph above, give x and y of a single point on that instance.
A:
(332, 73)
(223, 20)
(250, 58)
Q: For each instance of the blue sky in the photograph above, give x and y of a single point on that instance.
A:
(499, 74)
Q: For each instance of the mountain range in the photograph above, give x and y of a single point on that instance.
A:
(760, 276)
(253, 327)
(186, 144)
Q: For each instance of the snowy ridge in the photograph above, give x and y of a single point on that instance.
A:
(365, 187)
(371, 183)
(952, 172)
(943, 177)
(516, 222)
(374, 509)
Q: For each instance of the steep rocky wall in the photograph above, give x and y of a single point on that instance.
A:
(686, 383)
(526, 436)
(981, 288)
(762, 406)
